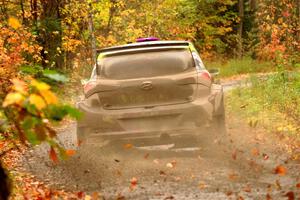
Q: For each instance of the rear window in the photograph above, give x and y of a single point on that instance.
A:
(147, 64)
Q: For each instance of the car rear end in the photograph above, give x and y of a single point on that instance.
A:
(145, 89)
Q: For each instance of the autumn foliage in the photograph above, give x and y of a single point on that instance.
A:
(28, 106)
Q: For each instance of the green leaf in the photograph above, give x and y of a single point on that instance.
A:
(29, 123)
(56, 113)
(55, 76)
(31, 70)
(32, 137)
(73, 112)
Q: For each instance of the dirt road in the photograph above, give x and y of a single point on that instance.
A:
(242, 167)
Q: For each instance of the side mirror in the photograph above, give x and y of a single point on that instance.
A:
(214, 72)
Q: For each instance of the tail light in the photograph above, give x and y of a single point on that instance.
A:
(205, 74)
(89, 86)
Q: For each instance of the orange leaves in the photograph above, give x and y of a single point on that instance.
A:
(233, 176)
(49, 97)
(255, 152)
(63, 153)
(133, 183)
(280, 170)
(70, 152)
(53, 155)
(290, 195)
(128, 146)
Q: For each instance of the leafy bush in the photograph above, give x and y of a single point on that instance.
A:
(30, 109)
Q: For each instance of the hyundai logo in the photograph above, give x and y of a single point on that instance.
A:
(147, 85)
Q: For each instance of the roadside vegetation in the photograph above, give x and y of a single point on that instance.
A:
(270, 101)
(245, 65)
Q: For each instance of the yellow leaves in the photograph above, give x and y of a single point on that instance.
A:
(39, 85)
(46, 95)
(13, 98)
(14, 23)
(37, 101)
(40, 98)
(49, 97)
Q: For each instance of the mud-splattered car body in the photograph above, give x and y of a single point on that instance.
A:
(142, 90)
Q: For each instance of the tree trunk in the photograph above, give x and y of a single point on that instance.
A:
(92, 34)
(240, 29)
(112, 11)
(24, 20)
(51, 34)
(34, 12)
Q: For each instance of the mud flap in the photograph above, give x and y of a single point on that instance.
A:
(218, 102)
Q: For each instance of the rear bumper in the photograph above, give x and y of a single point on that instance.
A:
(146, 122)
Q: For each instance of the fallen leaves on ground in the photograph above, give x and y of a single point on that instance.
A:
(265, 156)
(156, 161)
(26, 186)
(247, 189)
(146, 155)
(70, 152)
(162, 173)
(233, 176)
(128, 146)
(234, 155)
(229, 193)
(290, 195)
(280, 170)
(268, 197)
(255, 152)
(202, 185)
(53, 155)
(169, 197)
(133, 183)
(171, 164)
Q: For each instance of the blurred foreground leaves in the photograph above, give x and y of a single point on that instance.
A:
(29, 111)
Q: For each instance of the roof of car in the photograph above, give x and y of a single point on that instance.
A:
(144, 45)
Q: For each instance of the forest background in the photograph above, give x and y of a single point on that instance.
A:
(45, 44)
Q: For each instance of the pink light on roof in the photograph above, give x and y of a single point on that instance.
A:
(147, 39)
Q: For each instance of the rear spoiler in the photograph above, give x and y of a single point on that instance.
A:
(144, 45)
